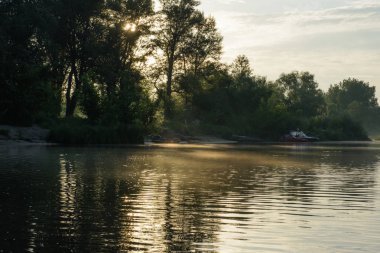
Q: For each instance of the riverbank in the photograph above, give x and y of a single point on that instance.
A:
(14, 134)
(10, 135)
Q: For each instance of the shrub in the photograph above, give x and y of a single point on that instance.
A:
(81, 132)
(338, 128)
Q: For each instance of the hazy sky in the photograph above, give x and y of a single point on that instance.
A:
(333, 39)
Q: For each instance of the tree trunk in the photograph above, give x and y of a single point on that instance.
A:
(68, 94)
(170, 76)
(72, 98)
(169, 83)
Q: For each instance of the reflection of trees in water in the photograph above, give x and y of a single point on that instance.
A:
(164, 216)
(69, 200)
(170, 200)
(100, 187)
(25, 196)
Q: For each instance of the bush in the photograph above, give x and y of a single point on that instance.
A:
(81, 132)
(339, 128)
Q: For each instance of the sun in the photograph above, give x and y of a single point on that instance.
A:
(130, 27)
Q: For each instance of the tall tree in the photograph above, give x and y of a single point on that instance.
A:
(241, 67)
(200, 53)
(25, 91)
(202, 47)
(122, 45)
(72, 35)
(176, 19)
(241, 71)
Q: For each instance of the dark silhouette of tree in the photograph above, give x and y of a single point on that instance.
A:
(203, 46)
(241, 68)
(176, 19)
(200, 53)
(26, 93)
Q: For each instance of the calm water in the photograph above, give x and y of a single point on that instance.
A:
(297, 198)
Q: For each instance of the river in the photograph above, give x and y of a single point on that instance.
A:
(190, 198)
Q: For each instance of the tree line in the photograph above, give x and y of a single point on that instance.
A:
(123, 68)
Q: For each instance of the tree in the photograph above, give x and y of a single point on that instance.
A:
(123, 43)
(241, 67)
(352, 91)
(203, 46)
(71, 36)
(176, 19)
(97, 39)
(26, 93)
(303, 97)
(357, 99)
(199, 53)
(241, 72)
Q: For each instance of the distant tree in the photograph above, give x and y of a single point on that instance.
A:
(241, 68)
(302, 95)
(350, 91)
(357, 99)
(241, 72)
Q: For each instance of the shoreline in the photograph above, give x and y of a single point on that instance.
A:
(37, 136)
(220, 142)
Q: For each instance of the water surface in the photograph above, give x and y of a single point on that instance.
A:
(181, 198)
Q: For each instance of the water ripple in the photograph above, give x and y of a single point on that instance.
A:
(265, 199)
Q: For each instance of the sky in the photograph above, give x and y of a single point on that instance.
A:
(332, 39)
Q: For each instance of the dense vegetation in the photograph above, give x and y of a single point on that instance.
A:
(99, 71)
